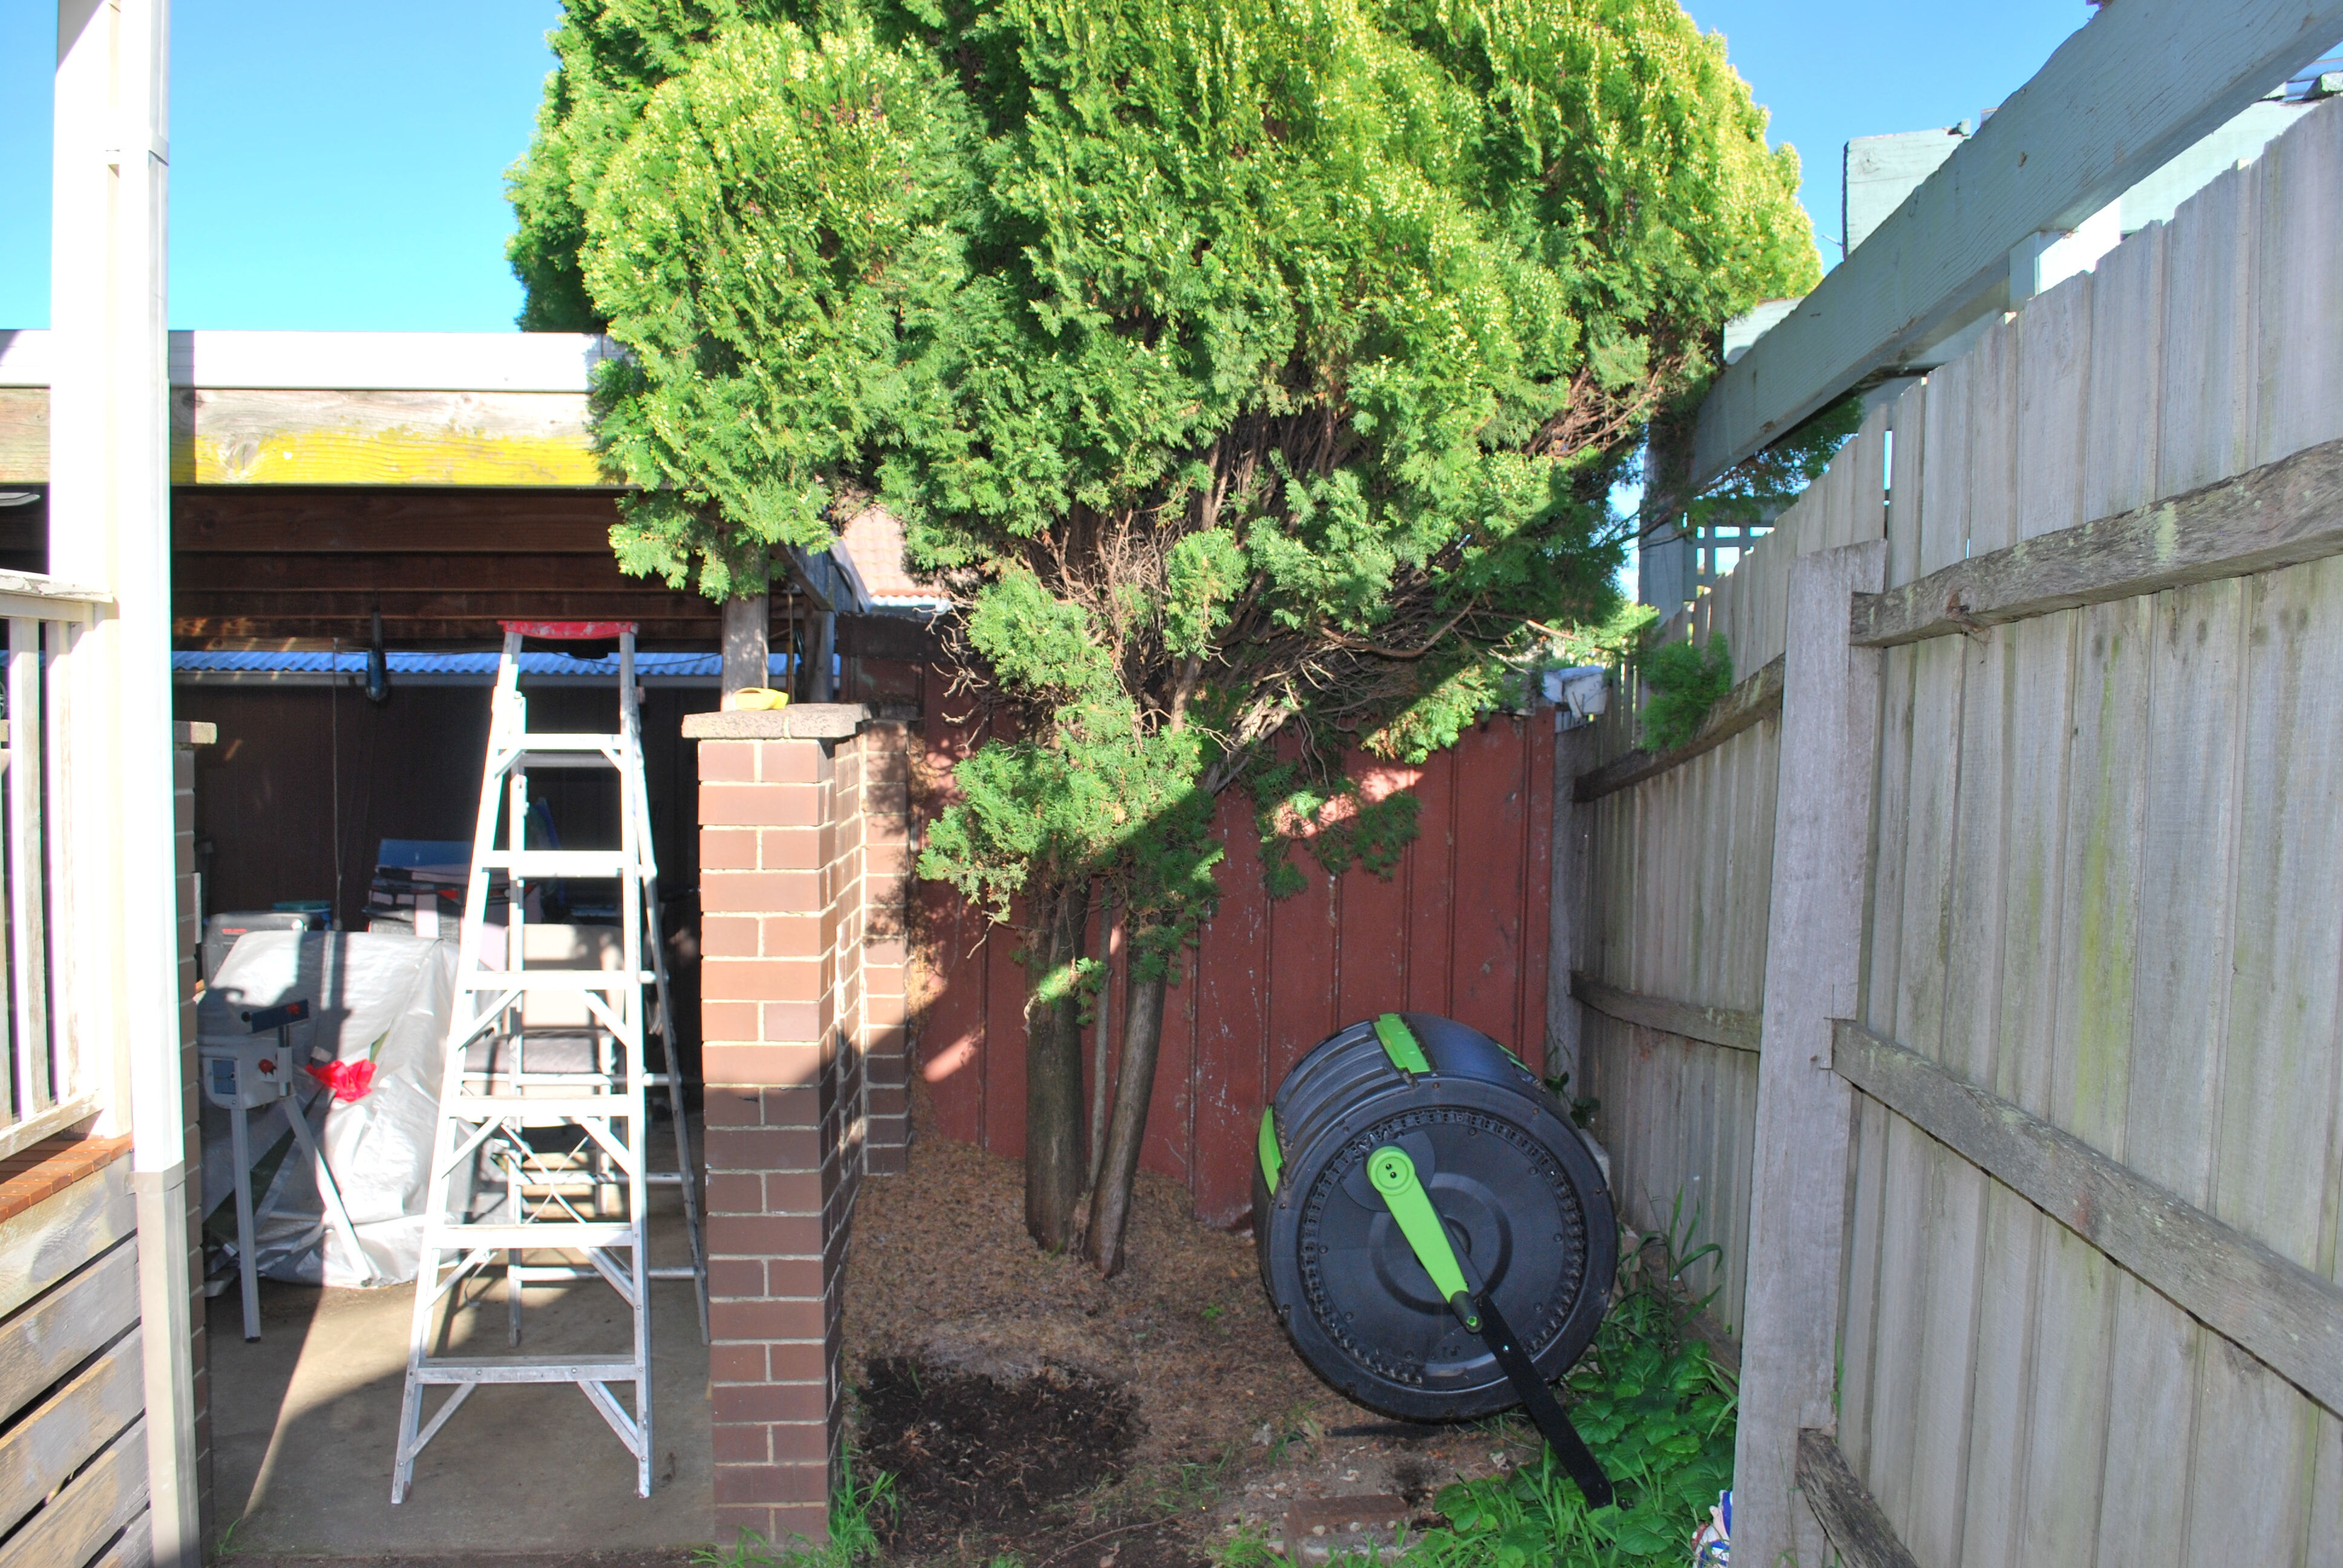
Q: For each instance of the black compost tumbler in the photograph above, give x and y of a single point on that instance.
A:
(1432, 1231)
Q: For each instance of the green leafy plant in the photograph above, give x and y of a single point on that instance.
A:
(1659, 1415)
(1684, 683)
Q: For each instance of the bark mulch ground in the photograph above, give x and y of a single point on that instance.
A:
(1027, 1408)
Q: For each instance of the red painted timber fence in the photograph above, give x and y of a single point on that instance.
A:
(1458, 929)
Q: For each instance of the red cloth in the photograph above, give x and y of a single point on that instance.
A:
(348, 1079)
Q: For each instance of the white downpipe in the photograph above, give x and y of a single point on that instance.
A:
(109, 523)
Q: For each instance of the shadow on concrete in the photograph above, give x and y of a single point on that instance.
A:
(305, 1425)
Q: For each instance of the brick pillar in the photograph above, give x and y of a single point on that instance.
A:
(886, 870)
(803, 863)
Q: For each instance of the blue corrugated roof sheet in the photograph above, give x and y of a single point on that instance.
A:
(483, 664)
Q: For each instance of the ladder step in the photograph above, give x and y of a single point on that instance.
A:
(523, 1369)
(491, 1107)
(555, 980)
(580, 759)
(580, 864)
(544, 1233)
(570, 740)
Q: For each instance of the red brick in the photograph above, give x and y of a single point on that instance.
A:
(792, 850)
(767, 1319)
(728, 761)
(797, 1192)
(729, 1019)
(770, 1236)
(728, 850)
(734, 1445)
(773, 1482)
(764, 1063)
(760, 805)
(799, 1277)
(807, 1441)
(774, 1526)
(763, 1148)
(760, 980)
(728, 936)
(762, 892)
(736, 1277)
(740, 1364)
(792, 1107)
(733, 1105)
(792, 761)
(796, 1021)
(741, 1403)
(735, 1193)
(808, 1363)
(791, 937)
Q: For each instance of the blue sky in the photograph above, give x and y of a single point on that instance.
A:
(341, 166)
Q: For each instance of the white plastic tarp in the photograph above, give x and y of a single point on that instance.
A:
(382, 997)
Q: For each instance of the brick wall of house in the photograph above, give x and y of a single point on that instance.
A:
(804, 865)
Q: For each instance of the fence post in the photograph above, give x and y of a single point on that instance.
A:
(1822, 833)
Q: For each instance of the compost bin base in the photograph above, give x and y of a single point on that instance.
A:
(1223, 1429)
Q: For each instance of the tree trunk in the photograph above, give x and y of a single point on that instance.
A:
(745, 623)
(1111, 1198)
(1053, 1071)
(1099, 1076)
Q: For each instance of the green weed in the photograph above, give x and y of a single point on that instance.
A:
(1657, 1413)
(853, 1534)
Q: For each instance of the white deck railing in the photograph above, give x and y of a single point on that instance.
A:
(47, 1088)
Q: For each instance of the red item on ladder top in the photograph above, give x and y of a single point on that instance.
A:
(570, 631)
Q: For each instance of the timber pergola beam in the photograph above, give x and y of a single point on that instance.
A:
(2131, 89)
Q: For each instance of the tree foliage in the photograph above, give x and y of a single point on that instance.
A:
(1242, 367)
(1685, 682)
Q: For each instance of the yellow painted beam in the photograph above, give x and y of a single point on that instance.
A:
(314, 438)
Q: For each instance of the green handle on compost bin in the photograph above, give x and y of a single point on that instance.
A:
(1271, 1162)
(1394, 1175)
(1400, 1044)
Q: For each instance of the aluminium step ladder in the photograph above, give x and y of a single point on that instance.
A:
(544, 1099)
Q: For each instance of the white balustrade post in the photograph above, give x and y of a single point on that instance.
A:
(109, 524)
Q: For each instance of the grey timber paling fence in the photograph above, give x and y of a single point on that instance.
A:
(1974, 977)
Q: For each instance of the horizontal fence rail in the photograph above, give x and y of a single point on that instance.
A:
(2276, 1310)
(1735, 1028)
(44, 1089)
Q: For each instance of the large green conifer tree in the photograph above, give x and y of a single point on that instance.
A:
(1246, 368)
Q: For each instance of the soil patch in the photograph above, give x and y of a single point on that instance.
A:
(971, 1452)
(1227, 1429)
